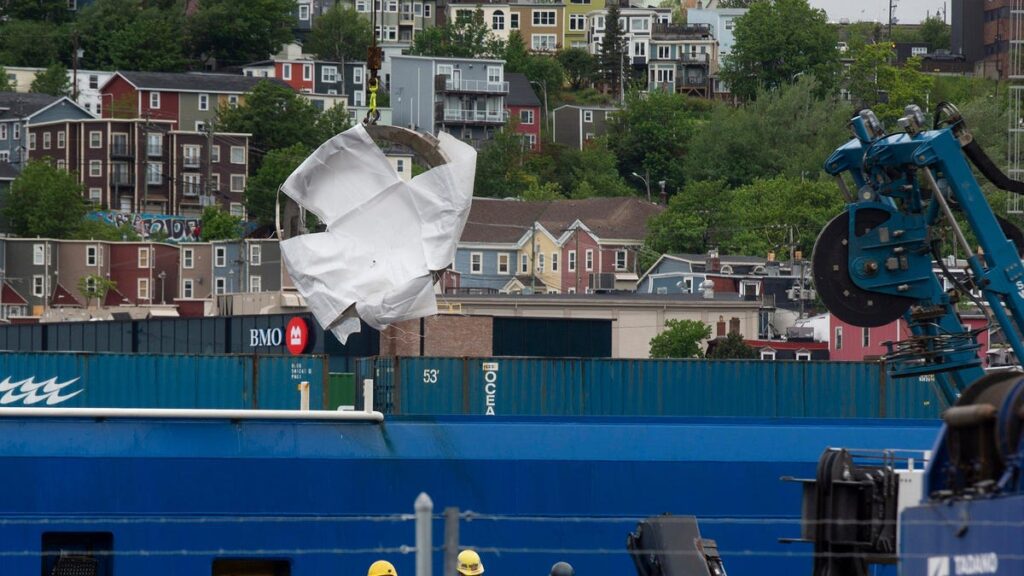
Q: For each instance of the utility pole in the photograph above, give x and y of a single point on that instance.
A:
(145, 163)
(74, 65)
(892, 9)
(209, 163)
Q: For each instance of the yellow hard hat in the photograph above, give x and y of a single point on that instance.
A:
(469, 563)
(382, 568)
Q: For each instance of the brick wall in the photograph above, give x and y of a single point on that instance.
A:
(445, 336)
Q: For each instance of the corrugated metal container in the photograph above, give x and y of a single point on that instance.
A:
(603, 387)
(341, 390)
(552, 337)
(160, 381)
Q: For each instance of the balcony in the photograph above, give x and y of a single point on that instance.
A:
(687, 80)
(191, 162)
(121, 150)
(477, 86)
(407, 18)
(122, 180)
(681, 31)
(697, 58)
(475, 116)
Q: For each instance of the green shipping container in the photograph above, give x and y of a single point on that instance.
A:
(341, 390)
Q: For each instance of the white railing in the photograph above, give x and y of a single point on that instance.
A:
(476, 86)
(456, 115)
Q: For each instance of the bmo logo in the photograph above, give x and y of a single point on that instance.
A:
(295, 336)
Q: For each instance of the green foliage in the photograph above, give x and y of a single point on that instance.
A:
(95, 287)
(332, 122)
(5, 83)
(859, 34)
(276, 117)
(261, 190)
(875, 83)
(340, 34)
(500, 170)
(732, 347)
(219, 225)
(44, 201)
(613, 50)
(680, 339)
(516, 54)
(579, 66)
(90, 229)
(547, 71)
(151, 42)
(32, 43)
(783, 132)
(466, 37)
(594, 172)
(44, 10)
(53, 81)
(237, 32)
(777, 41)
(653, 132)
(936, 33)
(98, 25)
(696, 219)
(545, 191)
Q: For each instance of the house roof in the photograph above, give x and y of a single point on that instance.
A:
(61, 297)
(193, 81)
(10, 296)
(520, 92)
(23, 104)
(114, 298)
(506, 221)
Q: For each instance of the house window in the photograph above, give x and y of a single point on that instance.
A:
(524, 264)
(542, 42)
(513, 21)
(588, 116)
(526, 116)
(543, 17)
(220, 257)
(503, 267)
(233, 101)
(191, 184)
(426, 10)
(639, 24)
(392, 6)
(865, 337)
(255, 254)
(204, 102)
(620, 259)
(255, 284)
(61, 139)
(95, 139)
(588, 261)
(572, 260)
(357, 75)
(16, 131)
(238, 182)
(540, 262)
(640, 49)
(237, 154)
(498, 20)
(220, 286)
(399, 165)
(144, 257)
(767, 354)
(200, 126)
(664, 75)
(47, 140)
(154, 100)
(192, 153)
(62, 164)
(215, 153)
(362, 6)
(215, 182)
(3, 131)
(571, 290)
(839, 338)
(664, 52)
(92, 255)
(493, 74)
(95, 168)
(154, 144)
(531, 140)
(307, 72)
(38, 285)
(5, 156)
(329, 74)
(154, 173)
(186, 288)
(729, 24)
(32, 141)
(38, 254)
(304, 12)
(577, 22)
(803, 355)
(143, 288)
(476, 263)
(95, 195)
(286, 71)
(554, 261)
(237, 210)
(94, 82)
(188, 257)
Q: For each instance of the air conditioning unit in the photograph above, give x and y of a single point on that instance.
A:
(602, 282)
(307, 90)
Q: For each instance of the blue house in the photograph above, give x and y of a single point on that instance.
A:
(229, 268)
(18, 110)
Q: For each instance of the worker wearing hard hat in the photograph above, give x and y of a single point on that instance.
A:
(469, 563)
(382, 568)
(562, 569)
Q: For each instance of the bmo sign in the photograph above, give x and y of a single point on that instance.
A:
(294, 336)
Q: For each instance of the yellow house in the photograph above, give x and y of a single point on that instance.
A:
(21, 77)
(538, 263)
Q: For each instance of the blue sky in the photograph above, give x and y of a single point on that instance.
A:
(907, 11)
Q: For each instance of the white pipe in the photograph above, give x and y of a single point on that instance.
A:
(368, 396)
(424, 508)
(191, 414)
(304, 396)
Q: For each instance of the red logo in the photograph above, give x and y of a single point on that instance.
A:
(296, 336)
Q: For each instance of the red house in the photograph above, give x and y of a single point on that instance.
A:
(146, 272)
(524, 107)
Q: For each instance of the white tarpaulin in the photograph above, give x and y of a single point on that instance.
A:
(384, 235)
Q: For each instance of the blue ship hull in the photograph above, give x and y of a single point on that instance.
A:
(175, 495)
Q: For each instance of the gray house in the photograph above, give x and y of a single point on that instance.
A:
(252, 265)
(19, 110)
(574, 125)
(30, 270)
(461, 96)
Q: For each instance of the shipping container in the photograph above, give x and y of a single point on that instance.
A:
(98, 380)
(606, 387)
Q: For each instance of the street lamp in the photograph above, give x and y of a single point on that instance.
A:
(664, 196)
(646, 184)
(161, 276)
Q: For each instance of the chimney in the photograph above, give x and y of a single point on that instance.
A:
(734, 325)
(720, 332)
(771, 256)
(798, 255)
(714, 263)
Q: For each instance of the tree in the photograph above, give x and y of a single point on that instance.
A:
(516, 54)
(731, 347)
(95, 286)
(680, 339)
(545, 71)
(500, 170)
(877, 84)
(936, 33)
(613, 51)
(53, 81)
(330, 123)
(44, 201)
(261, 190)
(737, 3)
(91, 229)
(276, 117)
(777, 41)
(696, 220)
(236, 32)
(594, 172)
(340, 34)
(5, 83)
(468, 36)
(219, 225)
(579, 66)
(47, 10)
(32, 43)
(96, 27)
(151, 42)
